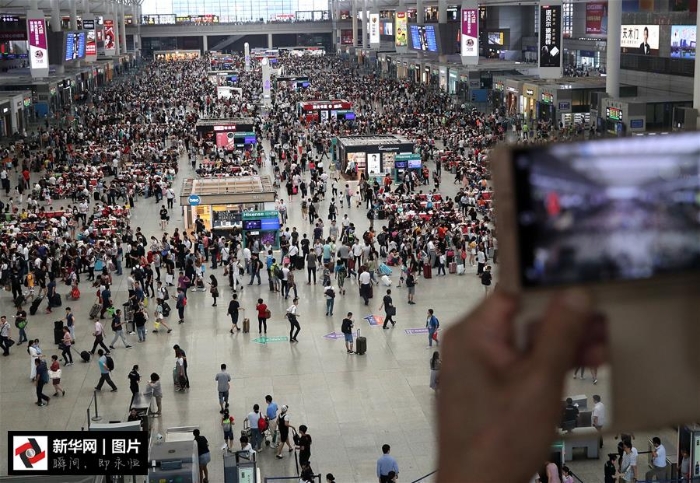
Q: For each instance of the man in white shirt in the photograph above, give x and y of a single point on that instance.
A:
(598, 416)
(365, 287)
(628, 467)
(658, 463)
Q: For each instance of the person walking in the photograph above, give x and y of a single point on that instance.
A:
(21, 324)
(659, 465)
(433, 324)
(234, 307)
(41, 379)
(263, 315)
(304, 446)
(65, 347)
(134, 379)
(284, 426)
(346, 329)
(34, 353)
(389, 310)
(180, 305)
(435, 364)
(486, 278)
(118, 329)
(330, 300)
(181, 357)
(213, 288)
(386, 464)
(598, 417)
(104, 372)
(55, 376)
(227, 427)
(5, 336)
(69, 319)
(159, 314)
(292, 316)
(223, 382)
(255, 267)
(271, 415)
(204, 455)
(140, 318)
(365, 279)
(253, 420)
(155, 390)
(98, 333)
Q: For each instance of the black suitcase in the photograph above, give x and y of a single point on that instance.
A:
(299, 263)
(35, 305)
(56, 302)
(166, 309)
(96, 195)
(360, 344)
(57, 331)
(85, 356)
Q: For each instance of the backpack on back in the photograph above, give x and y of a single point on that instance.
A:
(110, 363)
(262, 423)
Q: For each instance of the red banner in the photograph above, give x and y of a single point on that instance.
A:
(597, 18)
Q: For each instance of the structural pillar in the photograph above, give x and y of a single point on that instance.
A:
(74, 14)
(86, 6)
(420, 12)
(612, 58)
(55, 16)
(34, 5)
(365, 25)
(205, 44)
(269, 41)
(122, 28)
(354, 22)
(442, 19)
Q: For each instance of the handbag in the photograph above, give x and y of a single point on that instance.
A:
(62, 346)
(214, 291)
(55, 374)
(9, 343)
(435, 336)
(268, 314)
(391, 310)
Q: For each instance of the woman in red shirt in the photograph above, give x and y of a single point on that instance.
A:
(263, 315)
(55, 375)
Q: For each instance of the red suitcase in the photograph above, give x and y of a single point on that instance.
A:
(453, 267)
(427, 271)
(351, 264)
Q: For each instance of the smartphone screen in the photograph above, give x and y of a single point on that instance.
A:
(624, 209)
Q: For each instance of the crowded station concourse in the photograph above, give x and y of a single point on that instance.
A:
(367, 274)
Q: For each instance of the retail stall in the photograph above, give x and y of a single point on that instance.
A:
(263, 226)
(315, 111)
(406, 162)
(374, 156)
(229, 134)
(293, 83)
(171, 55)
(220, 202)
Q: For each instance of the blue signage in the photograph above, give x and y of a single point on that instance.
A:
(564, 106)
(194, 200)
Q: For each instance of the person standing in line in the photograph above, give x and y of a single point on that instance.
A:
(628, 467)
(104, 372)
(389, 310)
(134, 379)
(253, 420)
(346, 329)
(330, 300)
(55, 375)
(66, 349)
(433, 324)
(41, 379)
(284, 426)
(223, 385)
(435, 364)
(180, 305)
(5, 336)
(155, 390)
(411, 286)
(271, 415)
(204, 455)
(118, 330)
(311, 267)
(658, 454)
(263, 312)
(386, 464)
(304, 446)
(213, 288)
(234, 307)
(598, 416)
(292, 316)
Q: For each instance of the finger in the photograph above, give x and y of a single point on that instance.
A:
(490, 332)
(592, 351)
(562, 332)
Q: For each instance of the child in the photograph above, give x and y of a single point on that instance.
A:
(160, 318)
(610, 470)
(227, 427)
(568, 477)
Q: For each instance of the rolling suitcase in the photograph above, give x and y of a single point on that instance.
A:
(166, 309)
(85, 356)
(35, 305)
(95, 311)
(246, 325)
(427, 271)
(360, 344)
(453, 267)
(57, 331)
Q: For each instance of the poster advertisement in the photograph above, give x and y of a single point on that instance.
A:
(374, 167)
(90, 39)
(373, 28)
(683, 41)
(401, 30)
(550, 36)
(226, 140)
(470, 33)
(640, 39)
(110, 39)
(38, 46)
(597, 18)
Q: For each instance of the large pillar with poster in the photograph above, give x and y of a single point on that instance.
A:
(109, 36)
(373, 27)
(365, 26)
(38, 45)
(269, 40)
(401, 28)
(205, 44)
(90, 37)
(246, 55)
(551, 36)
(612, 55)
(267, 84)
(469, 33)
(122, 29)
(354, 22)
(442, 23)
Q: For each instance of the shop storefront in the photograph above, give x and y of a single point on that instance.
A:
(176, 55)
(512, 97)
(452, 77)
(263, 226)
(374, 156)
(442, 72)
(5, 118)
(547, 105)
(498, 95)
(528, 101)
(315, 111)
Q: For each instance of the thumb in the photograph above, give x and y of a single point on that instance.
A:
(562, 330)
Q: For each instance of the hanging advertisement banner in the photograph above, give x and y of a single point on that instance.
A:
(401, 39)
(110, 37)
(597, 18)
(470, 33)
(38, 45)
(374, 28)
(90, 38)
(550, 48)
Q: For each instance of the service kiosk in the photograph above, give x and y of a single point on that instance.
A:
(263, 226)
(406, 162)
(220, 202)
(293, 83)
(321, 111)
(374, 156)
(229, 134)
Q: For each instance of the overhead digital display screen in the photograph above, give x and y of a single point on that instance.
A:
(423, 38)
(683, 41)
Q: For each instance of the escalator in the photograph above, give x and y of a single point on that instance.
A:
(226, 42)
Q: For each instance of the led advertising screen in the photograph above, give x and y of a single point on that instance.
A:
(226, 140)
(597, 18)
(373, 28)
(423, 38)
(110, 39)
(683, 39)
(639, 39)
(470, 33)
(90, 43)
(388, 29)
(12, 27)
(401, 38)
(550, 36)
(80, 36)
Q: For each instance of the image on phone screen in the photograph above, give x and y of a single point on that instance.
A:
(624, 209)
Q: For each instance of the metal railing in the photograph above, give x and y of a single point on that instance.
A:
(271, 479)
(424, 477)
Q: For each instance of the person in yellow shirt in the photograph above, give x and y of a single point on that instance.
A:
(30, 285)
